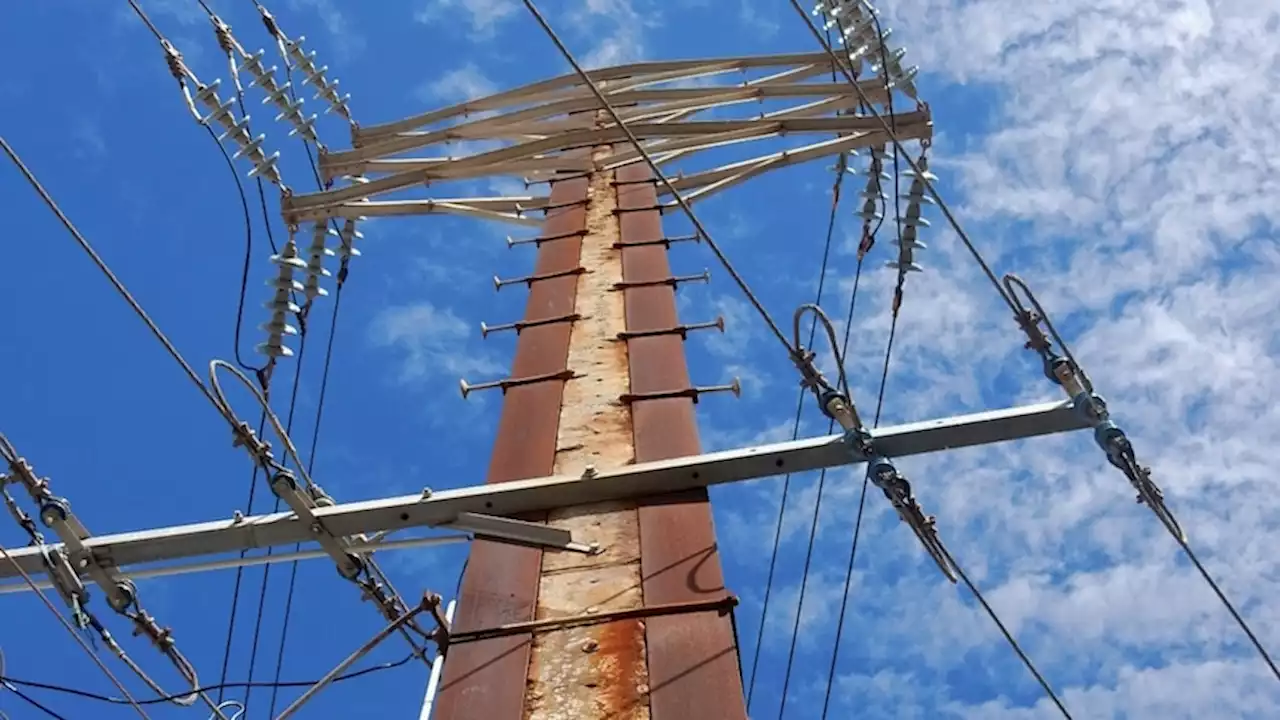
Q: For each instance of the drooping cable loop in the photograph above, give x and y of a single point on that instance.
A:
(66, 563)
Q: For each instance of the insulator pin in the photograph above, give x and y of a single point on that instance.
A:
(281, 305)
(314, 76)
(315, 262)
(237, 131)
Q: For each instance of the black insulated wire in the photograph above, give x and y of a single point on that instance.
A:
(324, 382)
(66, 690)
(795, 433)
(841, 353)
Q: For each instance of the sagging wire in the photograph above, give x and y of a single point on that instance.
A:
(870, 212)
(659, 174)
(26, 577)
(108, 699)
(897, 489)
(1064, 371)
(65, 564)
(873, 209)
(841, 165)
(31, 701)
(283, 96)
(266, 571)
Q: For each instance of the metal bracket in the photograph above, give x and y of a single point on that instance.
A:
(491, 527)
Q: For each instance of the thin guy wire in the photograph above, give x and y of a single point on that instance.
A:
(253, 478)
(844, 353)
(102, 265)
(235, 593)
(657, 171)
(862, 496)
(71, 631)
(897, 144)
(840, 358)
(795, 433)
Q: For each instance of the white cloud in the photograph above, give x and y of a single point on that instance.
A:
(484, 16)
(1129, 177)
(346, 41)
(464, 83)
(432, 342)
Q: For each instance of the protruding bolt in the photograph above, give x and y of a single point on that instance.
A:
(426, 493)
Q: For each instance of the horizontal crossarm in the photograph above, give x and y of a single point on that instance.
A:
(540, 494)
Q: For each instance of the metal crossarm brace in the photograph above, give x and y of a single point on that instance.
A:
(447, 507)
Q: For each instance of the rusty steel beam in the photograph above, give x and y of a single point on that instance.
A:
(485, 680)
(693, 658)
(593, 671)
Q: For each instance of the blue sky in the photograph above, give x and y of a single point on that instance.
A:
(1115, 154)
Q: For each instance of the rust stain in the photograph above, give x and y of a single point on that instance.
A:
(598, 671)
(620, 665)
(482, 680)
(692, 659)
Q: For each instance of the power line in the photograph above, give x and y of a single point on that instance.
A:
(146, 20)
(661, 176)
(220, 686)
(324, 386)
(841, 165)
(26, 577)
(30, 701)
(266, 570)
(102, 265)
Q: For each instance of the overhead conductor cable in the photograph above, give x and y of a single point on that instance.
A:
(119, 591)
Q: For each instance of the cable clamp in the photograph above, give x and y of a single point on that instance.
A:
(895, 486)
(304, 502)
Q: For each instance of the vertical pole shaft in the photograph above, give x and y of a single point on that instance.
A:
(692, 658)
(655, 551)
(486, 680)
(594, 671)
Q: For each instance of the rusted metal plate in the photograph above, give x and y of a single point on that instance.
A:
(693, 663)
(486, 680)
(594, 671)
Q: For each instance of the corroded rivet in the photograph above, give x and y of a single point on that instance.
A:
(590, 646)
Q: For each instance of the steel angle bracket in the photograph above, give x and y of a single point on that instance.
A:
(304, 503)
(520, 532)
